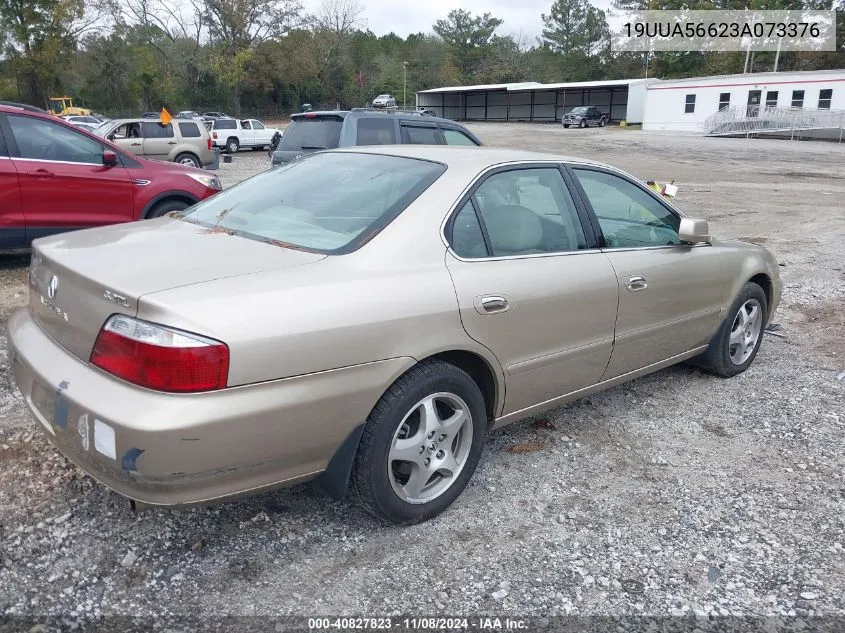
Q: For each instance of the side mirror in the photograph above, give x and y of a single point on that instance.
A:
(694, 231)
(109, 158)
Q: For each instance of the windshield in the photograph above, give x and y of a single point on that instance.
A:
(318, 132)
(581, 110)
(101, 129)
(328, 203)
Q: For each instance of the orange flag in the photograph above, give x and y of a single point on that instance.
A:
(165, 116)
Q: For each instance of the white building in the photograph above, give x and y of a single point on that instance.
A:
(683, 105)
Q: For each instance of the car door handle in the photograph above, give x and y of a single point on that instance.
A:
(171, 142)
(635, 284)
(135, 144)
(43, 173)
(494, 303)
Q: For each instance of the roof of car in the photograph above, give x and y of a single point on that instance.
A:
(475, 157)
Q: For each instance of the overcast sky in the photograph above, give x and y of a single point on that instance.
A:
(412, 16)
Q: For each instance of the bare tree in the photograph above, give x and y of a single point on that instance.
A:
(336, 21)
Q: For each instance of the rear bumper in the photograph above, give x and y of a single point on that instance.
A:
(175, 449)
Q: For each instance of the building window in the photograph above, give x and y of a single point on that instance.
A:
(824, 99)
(724, 100)
(797, 98)
(772, 99)
(689, 106)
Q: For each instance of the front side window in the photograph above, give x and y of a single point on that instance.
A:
(124, 131)
(297, 205)
(724, 100)
(155, 129)
(456, 137)
(529, 211)
(689, 104)
(414, 135)
(797, 98)
(189, 130)
(825, 97)
(628, 216)
(43, 140)
(257, 125)
(376, 131)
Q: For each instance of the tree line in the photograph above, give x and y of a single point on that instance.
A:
(267, 57)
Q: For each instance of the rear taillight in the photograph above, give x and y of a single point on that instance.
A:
(160, 358)
(209, 143)
(215, 134)
(311, 115)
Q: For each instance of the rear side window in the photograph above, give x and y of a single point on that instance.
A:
(225, 124)
(331, 215)
(414, 135)
(455, 137)
(312, 133)
(189, 130)
(376, 132)
(150, 129)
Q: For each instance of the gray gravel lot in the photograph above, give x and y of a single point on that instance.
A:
(720, 497)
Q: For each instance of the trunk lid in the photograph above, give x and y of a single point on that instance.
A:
(79, 279)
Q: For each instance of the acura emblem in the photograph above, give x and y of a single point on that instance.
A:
(53, 287)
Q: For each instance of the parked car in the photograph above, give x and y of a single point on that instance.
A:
(85, 126)
(232, 134)
(55, 177)
(584, 116)
(151, 115)
(384, 101)
(312, 131)
(84, 120)
(185, 142)
(210, 116)
(477, 286)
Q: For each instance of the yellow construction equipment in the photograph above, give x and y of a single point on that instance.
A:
(63, 106)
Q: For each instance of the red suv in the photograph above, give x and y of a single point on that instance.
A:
(55, 177)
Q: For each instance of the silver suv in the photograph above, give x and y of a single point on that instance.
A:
(180, 141)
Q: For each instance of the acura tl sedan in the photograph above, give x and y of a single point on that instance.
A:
(365, 317)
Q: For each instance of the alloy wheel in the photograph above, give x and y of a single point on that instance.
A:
(745, 331)
(430, 448)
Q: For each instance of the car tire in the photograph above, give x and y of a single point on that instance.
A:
(583, 123)
(188, 159)
(232, 145)
(565, 126)
(398, 424)
(735, 345)
(603, 122)
(166, 206)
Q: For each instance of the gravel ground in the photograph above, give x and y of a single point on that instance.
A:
(676, 493)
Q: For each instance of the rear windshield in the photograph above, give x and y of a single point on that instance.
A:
(326, 203)
(320, 132)
(225, 124)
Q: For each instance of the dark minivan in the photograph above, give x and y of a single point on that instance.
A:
(313, 131)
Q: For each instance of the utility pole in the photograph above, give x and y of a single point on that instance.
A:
(404, 84)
